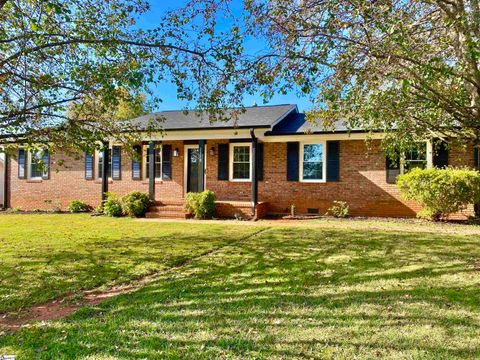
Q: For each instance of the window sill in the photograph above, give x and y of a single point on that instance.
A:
(313, 181)
(241, 180)
(34, 180)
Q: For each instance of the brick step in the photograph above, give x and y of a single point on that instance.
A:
(166, 215)
(167, 208)
(166, 202)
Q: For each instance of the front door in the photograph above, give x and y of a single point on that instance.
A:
(192, 169)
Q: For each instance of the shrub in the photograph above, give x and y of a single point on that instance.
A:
(339, 209)
(112, 206)
(78, 206)
(201, 205)
(440, 191)
(135, 204)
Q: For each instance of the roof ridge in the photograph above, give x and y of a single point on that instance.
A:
(231, 108)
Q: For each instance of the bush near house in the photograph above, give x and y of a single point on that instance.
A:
(440, 192)
(201, 205)
(78, 206)
(135, 204)
(339, 209)
(112, 206)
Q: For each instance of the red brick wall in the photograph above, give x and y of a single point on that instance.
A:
(362, 182)
(67, 182)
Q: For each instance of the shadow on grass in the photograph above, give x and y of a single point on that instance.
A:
(288, 293)
(35, 276)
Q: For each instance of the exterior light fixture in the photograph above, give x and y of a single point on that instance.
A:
(212, 151)
(176, 152)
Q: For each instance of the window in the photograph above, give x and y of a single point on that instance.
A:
(416, 158)
(240, 166)
(312, 165)
(38, 164)
(158, 163)
(100, 164)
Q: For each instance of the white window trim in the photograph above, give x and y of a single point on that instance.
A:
(96, 160)
(429, 157)
(144, 162)
(324, 161)
(230, 162)
(29, 167)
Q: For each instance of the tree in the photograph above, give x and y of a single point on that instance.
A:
(403, 67)
(56, 53)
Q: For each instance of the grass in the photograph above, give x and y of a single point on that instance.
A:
(327, 291)
(43, 257)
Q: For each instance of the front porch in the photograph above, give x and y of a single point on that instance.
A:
(175, 209)
(196, 165)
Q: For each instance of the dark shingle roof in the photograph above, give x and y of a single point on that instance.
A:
(296, 124)
(255, 116)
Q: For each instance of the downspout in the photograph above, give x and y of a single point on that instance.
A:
(254, 172)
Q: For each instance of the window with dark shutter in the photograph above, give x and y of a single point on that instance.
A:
(167, 162)
(292, 161)
(46, 164)
(223, 161)
(393, 170)
(440, 154)
(100, 164)
(39, 164)
(333, 160)
(88, 166)
(116, 163)
(137, 163)
(21, 164)
(259, 164)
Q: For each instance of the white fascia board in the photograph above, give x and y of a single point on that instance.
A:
(324, 137)
(214, 134)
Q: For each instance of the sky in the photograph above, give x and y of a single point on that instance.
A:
(168, 92)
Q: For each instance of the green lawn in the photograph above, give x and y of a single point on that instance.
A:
(43, 257)
(326, 291)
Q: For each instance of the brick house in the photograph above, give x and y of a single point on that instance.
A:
(267, 160)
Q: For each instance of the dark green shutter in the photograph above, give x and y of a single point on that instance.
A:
(167, 162)
(292, 161)
(333, 160)
(222, 161)
(22, 173)
(116, 163)
(137, 163)
(46, 165)
(440, 154)
(259, 164)
(393, 170)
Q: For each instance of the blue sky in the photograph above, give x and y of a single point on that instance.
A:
(168, 92)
